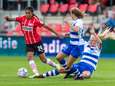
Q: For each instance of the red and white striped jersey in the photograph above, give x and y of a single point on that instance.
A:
(29, 28)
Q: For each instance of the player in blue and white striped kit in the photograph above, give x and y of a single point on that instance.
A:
(74, 49)
(86, 65)
(89, 60)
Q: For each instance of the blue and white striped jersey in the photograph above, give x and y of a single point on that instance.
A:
(76, 37)
(91, 55)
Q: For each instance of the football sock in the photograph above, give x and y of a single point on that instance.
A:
(51, 63)
(51, 73)
(63, 63)
(33, 67)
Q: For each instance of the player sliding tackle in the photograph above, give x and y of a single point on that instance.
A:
(90, 55)
(86, 66)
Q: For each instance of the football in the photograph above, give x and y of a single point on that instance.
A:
(22, 72)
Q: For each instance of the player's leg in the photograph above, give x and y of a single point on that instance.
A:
(46, 60)
(73, 70)
(60, 58)
(54, 72)
(39, 49)
(70, 61)
(64, 53)
(75, 53)
(30, 56)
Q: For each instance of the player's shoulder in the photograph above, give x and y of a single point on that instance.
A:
(23, 16)
(79, 22)
(20, 18)
(36, 18)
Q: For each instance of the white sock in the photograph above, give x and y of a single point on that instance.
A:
(51, 63)
(33, 67)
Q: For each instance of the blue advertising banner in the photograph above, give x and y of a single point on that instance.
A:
(53, 45)
(12, 45)
(15, 45)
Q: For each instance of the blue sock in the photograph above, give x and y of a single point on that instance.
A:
(63, 63)
(51, 73)
(72, 70)
(78, 75)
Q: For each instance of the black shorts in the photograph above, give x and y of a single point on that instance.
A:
(37, 48)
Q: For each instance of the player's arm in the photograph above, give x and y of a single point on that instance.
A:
(98, 38)
(104, 34)
(107, 34)
(7, 18)
(48, 28)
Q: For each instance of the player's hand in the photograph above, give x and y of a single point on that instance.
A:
(6, 18)
(64, 70)
(101, 36)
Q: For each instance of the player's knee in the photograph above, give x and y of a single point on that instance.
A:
(59, 58)
(30, 56)
(44, 60)
(86, 74)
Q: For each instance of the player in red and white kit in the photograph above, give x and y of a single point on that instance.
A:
(29, 23)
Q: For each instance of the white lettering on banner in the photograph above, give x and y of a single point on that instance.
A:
(8, 43)
(53, 47)
(5, 44)
(14, 44)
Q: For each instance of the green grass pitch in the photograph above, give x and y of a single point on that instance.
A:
(103, 76)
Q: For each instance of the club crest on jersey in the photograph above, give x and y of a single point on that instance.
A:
(26, 28)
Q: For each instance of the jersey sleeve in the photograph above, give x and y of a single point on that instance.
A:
(39, 23)
(19, 19)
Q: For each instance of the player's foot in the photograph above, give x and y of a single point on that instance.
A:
(58, 67)
(33, 76)
(66, 76)
(40, 76)
(36, 76)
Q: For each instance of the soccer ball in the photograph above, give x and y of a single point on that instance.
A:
(22, 72)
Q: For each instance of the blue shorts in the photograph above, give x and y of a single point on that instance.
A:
(81, 67)
(73, 50)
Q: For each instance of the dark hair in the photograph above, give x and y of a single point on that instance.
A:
(77, 12)
(30, 8)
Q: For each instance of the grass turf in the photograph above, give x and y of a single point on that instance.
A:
(103, 76)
